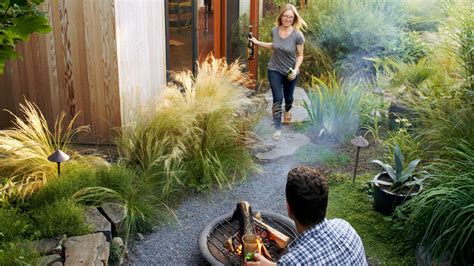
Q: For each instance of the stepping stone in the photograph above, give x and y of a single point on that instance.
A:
(288, 144)
(298, 112)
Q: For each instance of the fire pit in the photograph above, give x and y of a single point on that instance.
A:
(216, 233)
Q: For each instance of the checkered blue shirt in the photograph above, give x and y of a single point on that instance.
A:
(331, 242)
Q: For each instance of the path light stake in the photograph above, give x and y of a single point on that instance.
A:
(58, 157)
(359, 142)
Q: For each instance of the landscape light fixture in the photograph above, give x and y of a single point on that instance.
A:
(58, 157)
(359, 142)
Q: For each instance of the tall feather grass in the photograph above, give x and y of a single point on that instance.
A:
(197, 133)
(24, 150)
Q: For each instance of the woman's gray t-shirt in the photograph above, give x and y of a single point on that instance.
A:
(284, 51)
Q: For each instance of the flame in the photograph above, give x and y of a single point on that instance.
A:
(259, 245)
(238, 250)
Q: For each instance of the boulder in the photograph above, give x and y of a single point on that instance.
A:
(115, 213)
(51, 260)
(48, 246)
(90, 249)
(98, 222)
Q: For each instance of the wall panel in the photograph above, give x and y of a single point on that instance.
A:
(141, 54)
(72, 69)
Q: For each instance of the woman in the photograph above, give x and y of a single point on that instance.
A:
(285, 61)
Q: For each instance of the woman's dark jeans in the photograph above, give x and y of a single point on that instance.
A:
(281, 88)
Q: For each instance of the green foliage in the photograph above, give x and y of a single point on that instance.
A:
(403, 77)
(422, 15)
(13, 225)
(333, 107)
(442, 218)
(16, 254)
(63, 217)
(404, 138)
(311, 154)
(350, 31)
(350, 202)
(19, 19)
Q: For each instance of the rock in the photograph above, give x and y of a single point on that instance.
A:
(50, 259)
(90, 249)
(117, 241)
(48, 246)
(98, 222)
(115, 213)
(286, 146)
(262, 147)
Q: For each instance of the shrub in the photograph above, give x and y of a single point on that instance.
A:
(333, 107)
(63, 217)
(15, 254)
(13, 225)
(351, 30)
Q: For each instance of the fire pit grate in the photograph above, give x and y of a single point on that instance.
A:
(214, 235)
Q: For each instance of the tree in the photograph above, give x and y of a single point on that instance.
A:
(19, 19)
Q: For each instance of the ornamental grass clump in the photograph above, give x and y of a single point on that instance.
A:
(24, 150)
(197, 133)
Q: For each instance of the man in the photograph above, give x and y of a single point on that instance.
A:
(320, 241)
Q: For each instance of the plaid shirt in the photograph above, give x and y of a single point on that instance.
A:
(331, 242)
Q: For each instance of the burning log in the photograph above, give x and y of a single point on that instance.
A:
(279, 238)
(243, 213)
(253, 224)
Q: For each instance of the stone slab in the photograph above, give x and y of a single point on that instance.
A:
(50, 260)
(98, 222)
(286, 146)
(47, 246)
(90, 249)
(114, 212)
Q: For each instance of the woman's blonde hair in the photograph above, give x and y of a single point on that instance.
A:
(298, 22)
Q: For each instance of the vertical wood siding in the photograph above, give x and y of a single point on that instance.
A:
(72, 69)
(141, 55)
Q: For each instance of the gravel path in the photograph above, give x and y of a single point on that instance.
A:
(177, 243)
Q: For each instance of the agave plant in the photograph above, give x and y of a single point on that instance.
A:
(401, 177)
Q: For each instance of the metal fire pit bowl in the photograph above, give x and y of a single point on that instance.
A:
(214, 234)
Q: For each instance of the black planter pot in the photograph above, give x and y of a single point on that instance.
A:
(385, 201)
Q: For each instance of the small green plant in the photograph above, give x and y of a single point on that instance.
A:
(401, 176)
(374, 128)
(13, 225)
(63, 217)
(16, 254)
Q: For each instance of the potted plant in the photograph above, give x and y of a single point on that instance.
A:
(395, 185)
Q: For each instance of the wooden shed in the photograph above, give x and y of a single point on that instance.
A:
(109, 59)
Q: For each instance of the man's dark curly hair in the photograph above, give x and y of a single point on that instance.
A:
(307, 195)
